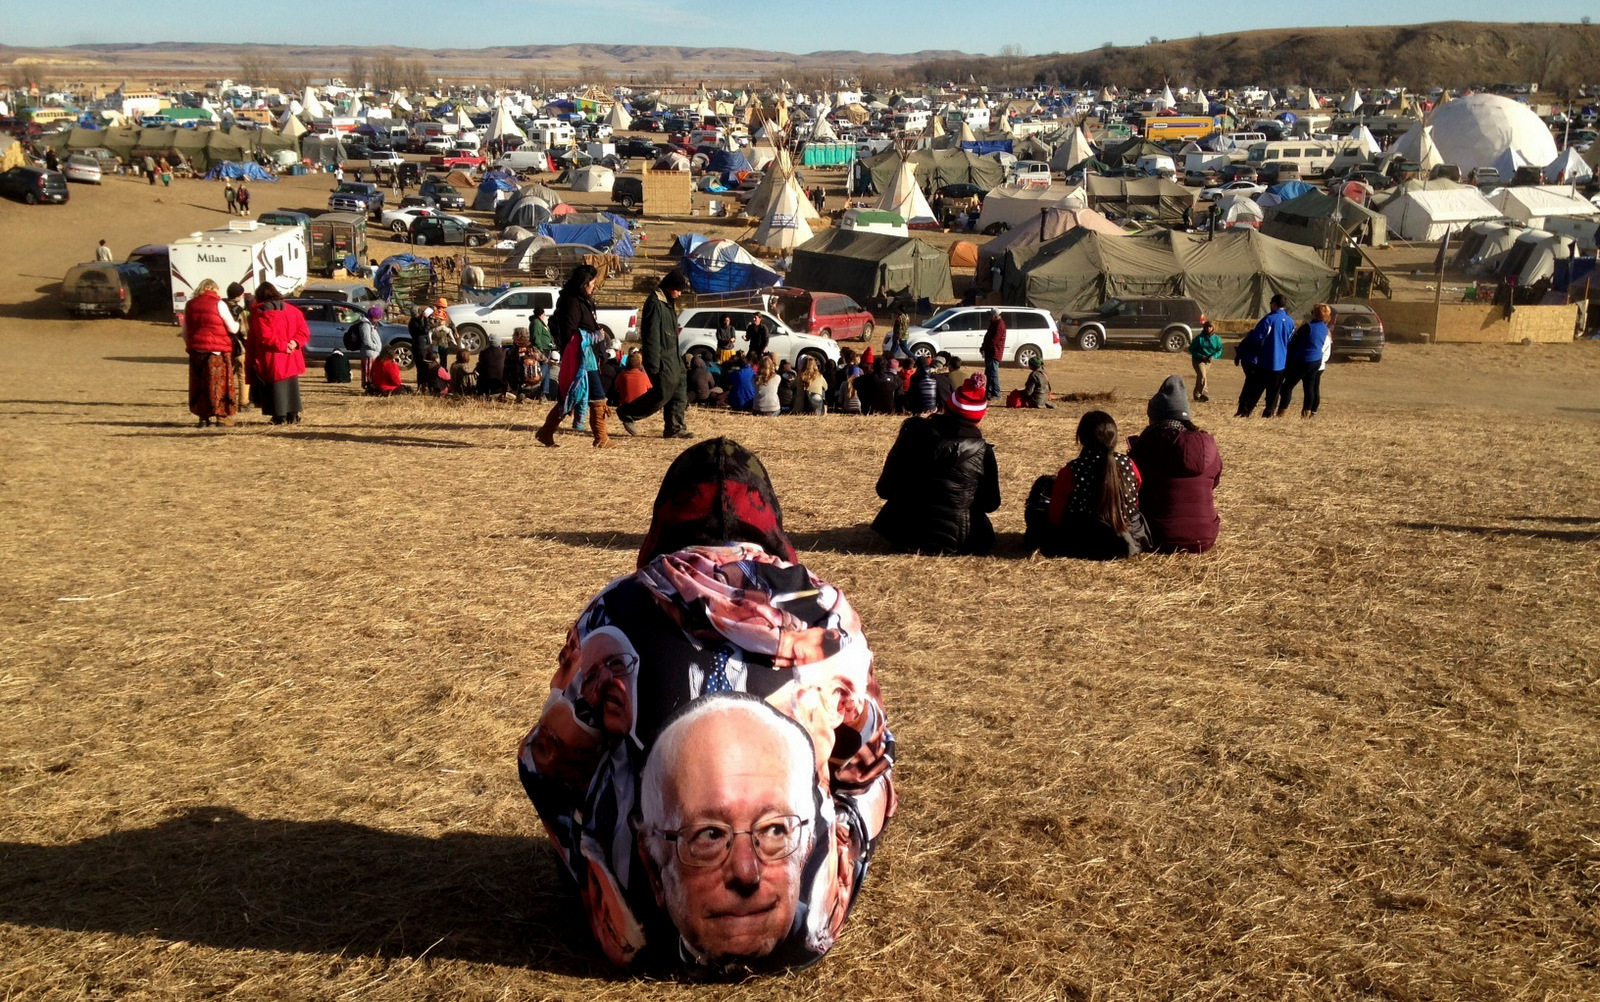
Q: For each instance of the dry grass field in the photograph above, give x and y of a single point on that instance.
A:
(262, 687)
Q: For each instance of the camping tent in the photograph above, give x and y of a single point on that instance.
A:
(1150, 197)
(1015, 206)
(1308, 220)
(492, 191)
(1427, 211)
(1231, 274)
(963, 254)
(872, 268)
(1238, 210)
(593, 178)
(1071, 153)
(521, 256)
(783, 227)
(324, 152)
(728, 164)
(906, 200)
(1532, 204)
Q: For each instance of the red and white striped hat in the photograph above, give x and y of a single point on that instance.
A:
(971, 401)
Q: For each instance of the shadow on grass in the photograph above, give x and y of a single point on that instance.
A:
(214, 876)
(82, 403)
(150, 359)
(1560, 535)
(849, 539)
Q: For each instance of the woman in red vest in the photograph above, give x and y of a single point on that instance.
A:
(208, 329)
(275, 355)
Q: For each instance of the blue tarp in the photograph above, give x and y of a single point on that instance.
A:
(685, 243)
(489, 192)
(384, 280)
(1290, 189)
(728, 163)
(1572, 271)
(232, 171)
(728, 278)
(603, 236)
(984, 147)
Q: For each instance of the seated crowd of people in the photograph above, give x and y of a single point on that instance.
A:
(940, 483)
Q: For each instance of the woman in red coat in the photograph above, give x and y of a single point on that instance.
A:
(1181, 466)
(208, 329)
(275, 355)
(385, 379)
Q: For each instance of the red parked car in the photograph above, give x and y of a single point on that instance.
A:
(458, 158)
(830, 314)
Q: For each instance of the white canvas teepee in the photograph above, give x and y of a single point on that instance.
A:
(1167, 100)
(784, 227)
(293, 129)
(619, 119)
(905, 199)
(504, 125)
(463, 121)
(1352, 102)
(310, 107)
(1362, 139)
(823, 133)
(966, 134)
(778, 176)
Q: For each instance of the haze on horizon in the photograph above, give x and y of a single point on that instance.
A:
(1033, 26)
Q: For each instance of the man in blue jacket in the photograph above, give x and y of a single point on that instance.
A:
(1270, 341)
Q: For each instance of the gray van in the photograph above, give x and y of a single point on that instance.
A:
(524, 160)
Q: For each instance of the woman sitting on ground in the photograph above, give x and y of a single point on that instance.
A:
(1037, 390)
(703, 388)
(811, 390)
(386, 378)
(461, 376)
(1181, 467)
(767, 383)
(940, 480)
(1093, 511)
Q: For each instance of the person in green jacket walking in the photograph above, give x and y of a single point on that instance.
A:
(1204, 347)
(658, 344)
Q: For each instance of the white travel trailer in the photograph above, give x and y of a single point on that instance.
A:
(244, 251)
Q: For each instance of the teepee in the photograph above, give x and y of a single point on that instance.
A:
(778, 176)
(292, 130)
(784, 227)
(504, 125)
(310, 107)
(905, 199)
(823, 133)
(619, 119)
(463, 122)
(1352, 102)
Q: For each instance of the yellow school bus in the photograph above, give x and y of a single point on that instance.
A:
(1178, 128)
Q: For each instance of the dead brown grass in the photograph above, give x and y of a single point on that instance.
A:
(262, 690)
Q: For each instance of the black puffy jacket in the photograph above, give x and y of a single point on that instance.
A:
(939, 484)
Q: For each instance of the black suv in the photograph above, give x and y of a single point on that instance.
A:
(1166, 321)
(1357, 332)
(446, 230)
(34, 185)
(628, 192)
(443, 193)
(629, 148)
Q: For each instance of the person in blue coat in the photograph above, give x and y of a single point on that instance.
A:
(1308, 356)
(1270, 339)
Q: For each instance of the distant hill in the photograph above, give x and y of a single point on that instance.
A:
(648, 63)
(1443, 54)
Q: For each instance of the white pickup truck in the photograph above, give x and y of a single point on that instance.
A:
(497, 320)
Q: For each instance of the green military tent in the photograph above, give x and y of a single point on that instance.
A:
(872, 268)
(937, 168)
(1128, 152)
(1308, 220)
(1139, 197)
(1232, 274)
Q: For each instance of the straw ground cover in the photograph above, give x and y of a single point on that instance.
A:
(262, 691)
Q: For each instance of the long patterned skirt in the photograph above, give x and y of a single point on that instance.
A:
(212, 393)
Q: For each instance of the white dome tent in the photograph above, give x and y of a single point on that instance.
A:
(1474, 131)
(593, 178)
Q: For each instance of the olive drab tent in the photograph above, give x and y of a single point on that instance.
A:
(325, 152)
(872, 268)
(1232, 274)
(1309, 220)
(936, 168)
(1145, 197)
(1025, 238)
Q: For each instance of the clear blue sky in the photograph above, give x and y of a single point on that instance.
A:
(1038, 26)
